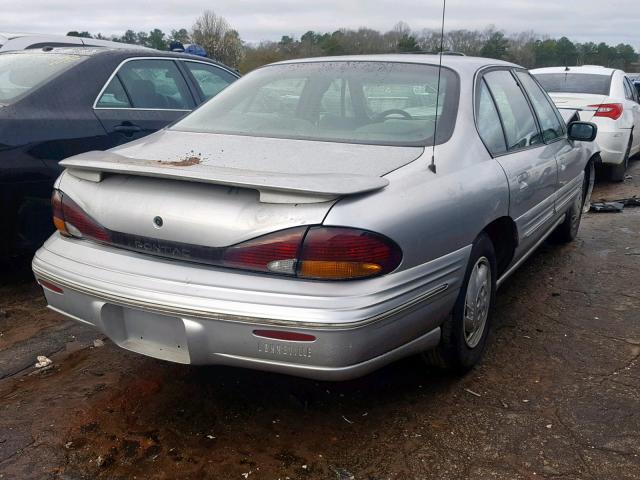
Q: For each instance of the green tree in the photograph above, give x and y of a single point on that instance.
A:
(408, 43)
(566, 52)
(495, 47)
(156, 39)
(181, 35)
(129, 37)
(142, 38)
(74, 33)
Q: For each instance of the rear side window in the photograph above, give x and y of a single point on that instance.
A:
(594, 84)
(114, 96)
(22, 73)
(211, 80)
(519, 123)
(488, 121)
(148, 84)
(549, 121)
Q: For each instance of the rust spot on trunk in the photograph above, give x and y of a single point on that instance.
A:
(185, 162)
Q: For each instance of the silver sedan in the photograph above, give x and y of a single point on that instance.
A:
(320, 217)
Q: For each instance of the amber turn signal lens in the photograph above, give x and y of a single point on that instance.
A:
(60, 226)
(337, 270)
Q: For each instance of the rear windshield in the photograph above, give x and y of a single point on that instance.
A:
(594, 84)
(22, 73)
(379, 103)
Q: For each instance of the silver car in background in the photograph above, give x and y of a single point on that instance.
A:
(320, 217)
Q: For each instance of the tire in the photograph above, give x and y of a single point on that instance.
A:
(567, 231)
(463, 342)
(617, 172)
(587, 187)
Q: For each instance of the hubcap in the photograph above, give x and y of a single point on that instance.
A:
(477, 300)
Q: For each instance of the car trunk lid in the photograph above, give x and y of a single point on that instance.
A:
(219, 190)
(579, 101)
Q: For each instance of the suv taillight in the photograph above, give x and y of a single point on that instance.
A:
(608, 110)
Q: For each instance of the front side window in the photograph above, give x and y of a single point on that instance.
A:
(21, 73)
(595, 84)
(488, 121)
(148, 84)
(519, 123)
(211, 80)
(549, 122)
(388, 103)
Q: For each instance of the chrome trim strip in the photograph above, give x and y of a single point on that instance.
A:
(209, 315)
(515, 266)
(133, 59)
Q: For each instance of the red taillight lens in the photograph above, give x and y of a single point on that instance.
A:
(608, 110)
(326, 253)
(276, 252)
(336, 253)
(71, 220)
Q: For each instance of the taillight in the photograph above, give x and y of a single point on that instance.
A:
(276, 252)
(337, 253)
(324, 253)
(608, 110)
(72, 221)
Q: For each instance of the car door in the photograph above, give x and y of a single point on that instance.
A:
(529, 164)
(570, 160)
(631, 97)
(208, 79)
(142, 96)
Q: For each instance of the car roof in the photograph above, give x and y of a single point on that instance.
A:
(590, 69)
(455, 62)
(117, 53)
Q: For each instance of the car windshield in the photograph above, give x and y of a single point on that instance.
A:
(22, 73)
(595, 84)
(380, 103)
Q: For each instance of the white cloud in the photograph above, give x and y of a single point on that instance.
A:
(580, 20)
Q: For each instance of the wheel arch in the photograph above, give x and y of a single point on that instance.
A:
(504, 235)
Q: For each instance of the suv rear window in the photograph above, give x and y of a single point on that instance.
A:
(21, 73)
(590, 83)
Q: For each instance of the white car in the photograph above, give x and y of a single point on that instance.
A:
(28, 41)
(606, 97)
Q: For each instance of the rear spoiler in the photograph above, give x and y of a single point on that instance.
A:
(274, 187)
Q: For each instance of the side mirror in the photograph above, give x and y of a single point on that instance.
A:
(582, 131)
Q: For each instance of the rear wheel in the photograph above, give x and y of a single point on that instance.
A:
(617, 172)
(464, 333)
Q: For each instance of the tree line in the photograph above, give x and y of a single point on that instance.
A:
(528, 49)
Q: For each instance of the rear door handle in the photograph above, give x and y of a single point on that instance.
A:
(127, 128)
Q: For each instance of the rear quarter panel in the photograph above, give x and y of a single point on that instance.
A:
(430, 215)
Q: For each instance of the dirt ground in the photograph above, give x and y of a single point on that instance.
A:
(557, 396)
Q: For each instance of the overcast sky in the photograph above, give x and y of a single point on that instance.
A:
(580, 20)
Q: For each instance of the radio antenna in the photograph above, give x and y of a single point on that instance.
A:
(432, 165)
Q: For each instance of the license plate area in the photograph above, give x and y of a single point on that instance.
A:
(148, 333)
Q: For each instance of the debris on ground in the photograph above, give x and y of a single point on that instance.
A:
(615, 205)
(43, 361)
(342, 474)
(475, 394)
(98, 343)
(600, 207)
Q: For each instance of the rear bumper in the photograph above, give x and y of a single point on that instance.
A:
(200, 315)
(613, 145)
